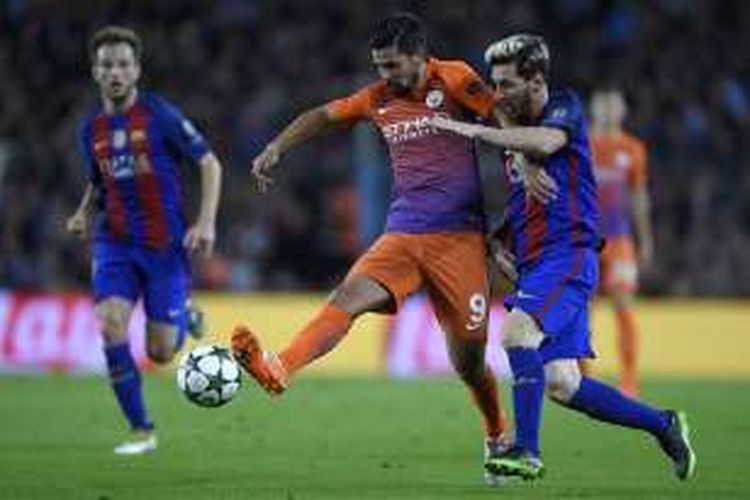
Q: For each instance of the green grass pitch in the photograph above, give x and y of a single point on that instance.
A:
(347, 439)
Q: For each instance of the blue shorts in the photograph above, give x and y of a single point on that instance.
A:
(556, 292)
(161, 277)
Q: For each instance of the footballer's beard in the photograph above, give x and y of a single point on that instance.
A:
(518, 109)
(403, 85)
(119, 92)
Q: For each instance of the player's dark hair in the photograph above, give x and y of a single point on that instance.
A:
(529, 52)
(112, 35)
(404, 31)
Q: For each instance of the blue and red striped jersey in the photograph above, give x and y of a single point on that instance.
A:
(132, 160)
(571, 221)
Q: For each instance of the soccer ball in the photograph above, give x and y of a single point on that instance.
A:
(208, 376)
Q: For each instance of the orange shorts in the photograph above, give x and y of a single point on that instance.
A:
(619, 266)
(450, 267)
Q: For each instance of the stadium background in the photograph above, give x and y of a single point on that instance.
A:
(242, 69)
(680, 63)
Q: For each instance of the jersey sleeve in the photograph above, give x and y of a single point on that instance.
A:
(354, 107)
(565, 112)
(84, 150)
(639, 169)
(468, 88)
(180, 132)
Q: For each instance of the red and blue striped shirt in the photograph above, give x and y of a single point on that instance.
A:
(132, 160)
(571, 221)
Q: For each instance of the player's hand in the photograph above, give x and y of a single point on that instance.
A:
(200, 239)
(507, 263)
(262, 165)
(539, 184)
(460, 128)
(77, 224)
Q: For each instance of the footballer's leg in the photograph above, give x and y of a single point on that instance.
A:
(114, 314)
(196, 320)
(161, 339)
(320, 335)
(566, 385)
(456, 280)
(377, 283)
(621, 284)
(521, 339)
(628, 341)
(467, 354)
(166, 279)
(116, 289)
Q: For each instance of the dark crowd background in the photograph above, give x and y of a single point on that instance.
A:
(241, 69)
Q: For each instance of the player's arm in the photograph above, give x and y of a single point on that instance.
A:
(190, 142)
(77, 224)
(533, 141)
(307, 125)
(201, 236)
(640, 203)
(641, 207)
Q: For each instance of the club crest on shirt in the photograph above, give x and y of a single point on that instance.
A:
(434, 98)
(622, 160)
(119, 139)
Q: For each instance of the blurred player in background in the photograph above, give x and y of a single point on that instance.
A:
(554, 245)
(132, 145)
(620, 165)
(434, 237)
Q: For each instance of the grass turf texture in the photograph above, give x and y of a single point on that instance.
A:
(346, 438)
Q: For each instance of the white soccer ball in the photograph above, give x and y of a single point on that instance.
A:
(208, 376)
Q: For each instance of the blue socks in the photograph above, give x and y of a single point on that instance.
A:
(601, 402)
(528, 396)
(595, 399)
(126, 382)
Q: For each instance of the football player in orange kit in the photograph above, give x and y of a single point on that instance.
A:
(620, 162)
(434, 236)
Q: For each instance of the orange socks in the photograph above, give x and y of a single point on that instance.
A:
(485, 397)
(317, 338)
(628, 335)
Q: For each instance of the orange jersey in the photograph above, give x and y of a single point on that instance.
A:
(436, 177)
(620, 164)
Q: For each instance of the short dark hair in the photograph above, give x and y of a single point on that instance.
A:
(529, 52)
(112, 35)
(404, 31)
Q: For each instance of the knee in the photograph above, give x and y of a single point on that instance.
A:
(159, 353)
(160, 346)
(562, 381)
(114, 322)
(361, 294)
(622, 300)
(519, 330)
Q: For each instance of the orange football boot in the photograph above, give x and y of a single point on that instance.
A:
(264, 367)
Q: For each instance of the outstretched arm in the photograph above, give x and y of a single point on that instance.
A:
(306, 126)
(534, 141)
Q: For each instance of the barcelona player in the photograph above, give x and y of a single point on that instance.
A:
(132, 145)
(620, 166)
(434, 236)
(554, 245)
